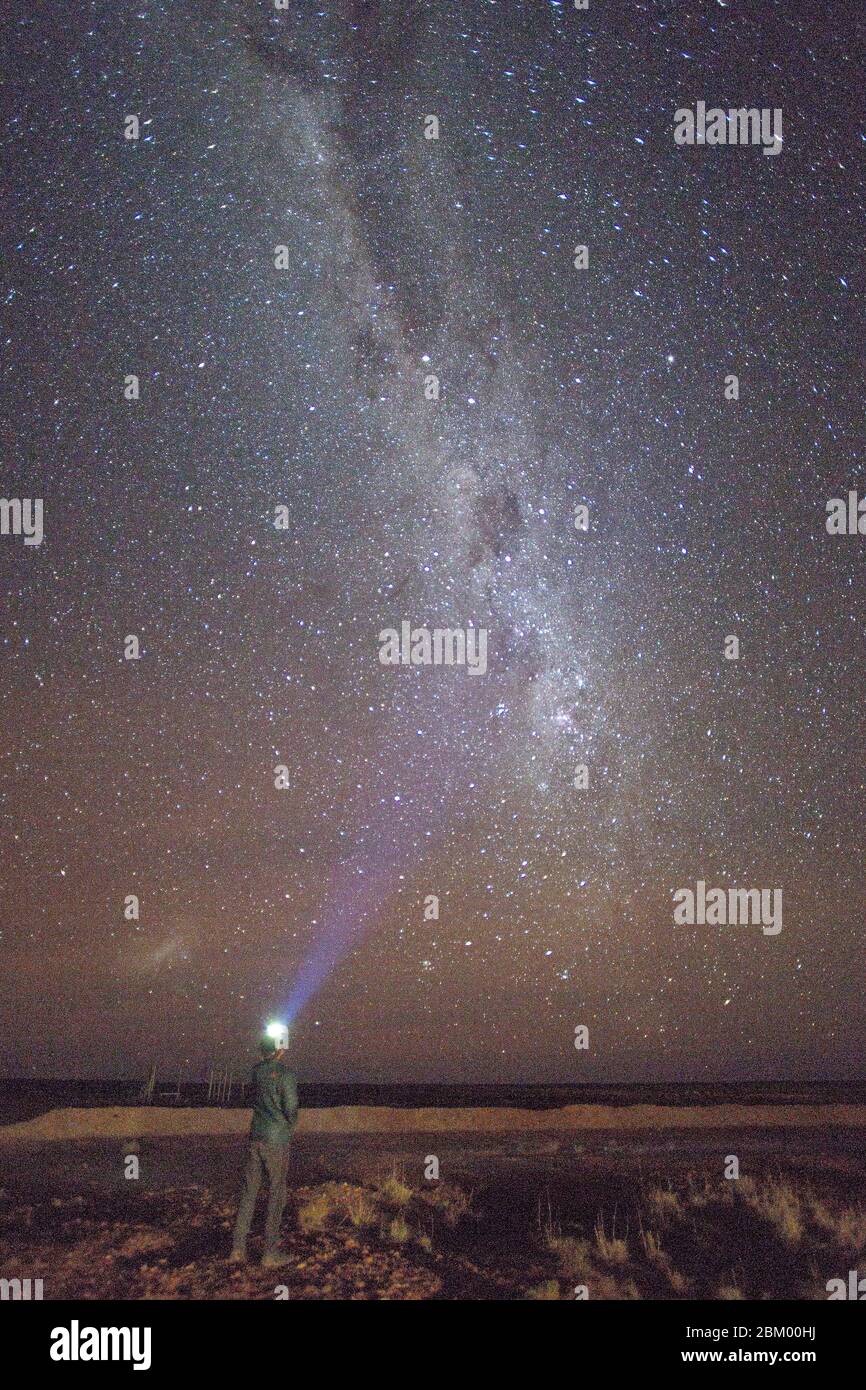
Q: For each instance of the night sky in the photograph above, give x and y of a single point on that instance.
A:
(303, 388)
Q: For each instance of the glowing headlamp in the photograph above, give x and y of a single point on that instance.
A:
(279, 1033)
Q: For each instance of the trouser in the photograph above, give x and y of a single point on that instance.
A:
(273, 1160)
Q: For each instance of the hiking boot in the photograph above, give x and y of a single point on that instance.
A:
(274, 1260)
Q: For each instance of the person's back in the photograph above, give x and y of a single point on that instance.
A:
(275, 1102)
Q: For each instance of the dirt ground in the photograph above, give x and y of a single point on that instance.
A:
(508, 1217)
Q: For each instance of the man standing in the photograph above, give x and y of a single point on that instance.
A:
(275, 1113)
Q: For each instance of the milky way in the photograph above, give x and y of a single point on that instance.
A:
(307, 388)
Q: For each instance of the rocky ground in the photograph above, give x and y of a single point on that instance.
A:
(341, 1240)
(554, 1222)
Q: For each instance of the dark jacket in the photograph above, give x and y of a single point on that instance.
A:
(275, 1104)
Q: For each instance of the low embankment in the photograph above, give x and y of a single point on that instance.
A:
(126, 1122)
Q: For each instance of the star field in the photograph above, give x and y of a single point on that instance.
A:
(304, 388)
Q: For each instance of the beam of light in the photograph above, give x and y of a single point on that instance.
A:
(394, 825)
(357, 889)
(360, 883)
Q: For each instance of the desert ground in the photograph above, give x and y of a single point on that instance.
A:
(581, 1202)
